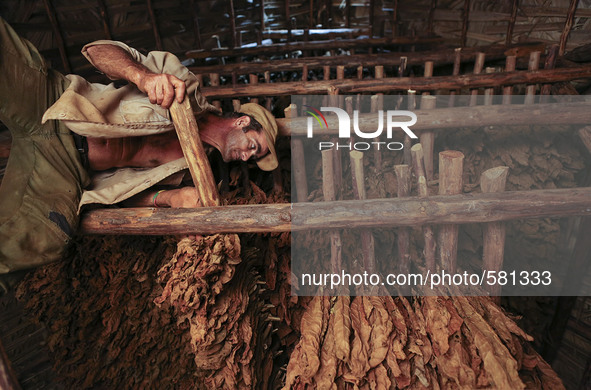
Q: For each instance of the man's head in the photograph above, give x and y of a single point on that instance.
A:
(244, 135)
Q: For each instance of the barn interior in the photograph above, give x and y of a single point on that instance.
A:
(141, 305)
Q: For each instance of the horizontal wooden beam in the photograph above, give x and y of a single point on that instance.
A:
(375, 213)
(401, 83)
(578, 113)
(438, 57)
(280, 48)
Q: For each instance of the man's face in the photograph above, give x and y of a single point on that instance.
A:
(244, 146)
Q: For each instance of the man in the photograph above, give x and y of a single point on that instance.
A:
(64, 127)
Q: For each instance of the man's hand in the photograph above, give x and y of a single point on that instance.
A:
(186, 197)
(162, 88)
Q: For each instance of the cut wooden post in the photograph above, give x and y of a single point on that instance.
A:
(478, 65)
(403, 189)
(510, 63)
(419, 169)
(431, 19)
(533, 64)
(367, 241)
(232, 23)
(427, 138)
(451, 164)
(337, 163)
(268, 100)
(395, 19)
(188, 134)
(493, 180)
(568, 25)
(329, 192)
(428, 73)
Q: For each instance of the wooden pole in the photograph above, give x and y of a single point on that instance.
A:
(403, 189)
(404, 83)
(465, 22)
(254, 80)
(329, 191)
(511, 25)
(493, 180)
(419, 169)
(448, 118)
(395, 19)
(343, 214)
(489, 92)
(451, 165)
(411, 105)
(367, 240)
(232, 23)
(58, 35)
(427, 138)
(188, 134)
(568, 25)
(154, 25)
(104, 18)
(214, 80)
(262, 14)
(431, 19)
(195, 20)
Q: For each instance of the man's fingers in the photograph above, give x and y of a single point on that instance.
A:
(169, 93)
(179, 89)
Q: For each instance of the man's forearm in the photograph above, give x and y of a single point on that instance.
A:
(117, 63)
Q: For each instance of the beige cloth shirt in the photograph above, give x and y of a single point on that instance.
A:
(97, 110)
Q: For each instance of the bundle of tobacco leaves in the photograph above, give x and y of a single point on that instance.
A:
(426, 343)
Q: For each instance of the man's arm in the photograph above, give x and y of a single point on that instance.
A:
(116, 63)
(186, 197)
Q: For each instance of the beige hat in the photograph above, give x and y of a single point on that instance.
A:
(267, 121)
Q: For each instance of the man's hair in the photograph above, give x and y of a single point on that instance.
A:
(253, 125)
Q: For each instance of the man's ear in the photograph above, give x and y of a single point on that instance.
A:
(242, 121)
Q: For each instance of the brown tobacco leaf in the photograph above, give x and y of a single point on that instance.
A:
(500, 365)
(437, 318)
(455, 366)
(381, 328)
(341, 315)
(359, 362)
(378, 379)
(326, 374)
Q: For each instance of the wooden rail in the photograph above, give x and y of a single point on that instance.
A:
(476, 116)
(281, 48)
(345, 214)
(438, 57)
(401, 84)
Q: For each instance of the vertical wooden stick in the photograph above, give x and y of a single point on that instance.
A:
(431, 19)
(428, 73)
(328, 189)
(450, 183)
(154, 26)
(489, 92)
(510, 62)
(455, 72)
(395, 19)
(550, 63)
(214, 80)
(403, 180)
(57, 32)
(533, 64)
(465, 21)
(411, 94)
(493, 180)
(478, 65)
(232, 23)
(337, 155)
(298, 160)
(254, 80)
(367, 241)
(511, 25)
(568, 25)
(269, 99)
(427, 138)
(419, 169)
